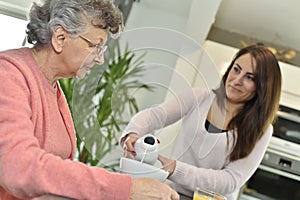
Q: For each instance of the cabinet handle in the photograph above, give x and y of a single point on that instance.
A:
(288, 116)
(279, 172)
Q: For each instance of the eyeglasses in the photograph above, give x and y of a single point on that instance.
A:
(100, 49)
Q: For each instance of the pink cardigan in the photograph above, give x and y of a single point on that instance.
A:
(37, 139)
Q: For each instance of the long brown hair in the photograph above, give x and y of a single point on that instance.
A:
(258, 113)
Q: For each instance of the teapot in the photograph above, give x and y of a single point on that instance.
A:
(146, 149)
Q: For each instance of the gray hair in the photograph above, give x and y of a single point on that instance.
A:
(74, 15)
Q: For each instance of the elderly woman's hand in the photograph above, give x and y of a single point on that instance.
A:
(146, 188)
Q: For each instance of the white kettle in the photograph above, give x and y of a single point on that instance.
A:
(146, 149)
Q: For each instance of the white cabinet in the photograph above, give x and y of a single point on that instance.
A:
(290, 95)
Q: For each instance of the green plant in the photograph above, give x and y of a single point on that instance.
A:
(98, 103)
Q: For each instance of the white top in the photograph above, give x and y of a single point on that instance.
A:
(201, 156)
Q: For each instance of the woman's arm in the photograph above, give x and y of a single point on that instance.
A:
(27, 169)
(169, 112)
(225, 180)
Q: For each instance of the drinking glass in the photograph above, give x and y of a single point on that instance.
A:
(201, 194)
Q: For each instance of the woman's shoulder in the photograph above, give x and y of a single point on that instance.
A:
(196, 95)
(267, 135)
(15, 53)
(203, 93)
(17, 59)
(269, 131)
(19, 64)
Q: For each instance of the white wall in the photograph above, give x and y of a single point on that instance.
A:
(16, 8)
(12, 32)
(186, 25)
(275, 22)
(166, 14)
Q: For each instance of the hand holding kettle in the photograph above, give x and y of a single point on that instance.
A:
(144, 149)
(128, 148)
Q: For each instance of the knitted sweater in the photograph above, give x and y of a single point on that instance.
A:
(201, 156)
(37, 139)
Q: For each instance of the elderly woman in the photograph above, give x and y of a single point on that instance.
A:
(37, 136)
(224, 132)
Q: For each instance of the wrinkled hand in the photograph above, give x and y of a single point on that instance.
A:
(128, 148)
(168, 164)
(146, 188)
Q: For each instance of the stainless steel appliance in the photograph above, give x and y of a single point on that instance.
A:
(278, 176)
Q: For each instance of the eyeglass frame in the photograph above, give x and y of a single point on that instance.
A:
(100, 48)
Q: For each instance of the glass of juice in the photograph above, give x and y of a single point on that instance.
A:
(201, 194)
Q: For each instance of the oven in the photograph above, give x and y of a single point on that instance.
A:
(278, 176)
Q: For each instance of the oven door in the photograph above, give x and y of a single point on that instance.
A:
(286, 136)
(269, 183)
(287, 126)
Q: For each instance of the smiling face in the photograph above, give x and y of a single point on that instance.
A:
(240, 84)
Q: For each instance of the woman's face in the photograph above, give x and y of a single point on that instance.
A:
(240, 84)
(84, 53)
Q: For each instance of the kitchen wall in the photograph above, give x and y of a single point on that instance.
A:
(185, 26)
(12, 32)
(15, 8)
